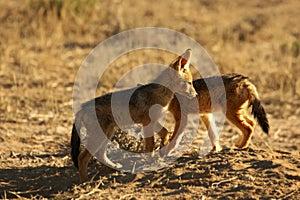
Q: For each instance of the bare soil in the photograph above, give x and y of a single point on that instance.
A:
(43, 43)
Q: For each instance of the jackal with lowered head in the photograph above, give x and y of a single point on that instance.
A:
(175, 78)
(240, 94)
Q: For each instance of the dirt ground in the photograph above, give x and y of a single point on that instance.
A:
(42, 45)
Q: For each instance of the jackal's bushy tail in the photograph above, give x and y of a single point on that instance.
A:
(258, 110)
(75, 145)
(259, 113)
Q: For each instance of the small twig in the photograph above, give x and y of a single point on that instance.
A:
(95, 190)
(26, 192)
(15, 193)
(288, 195)
(5, 196)
(224, 181)
(126, 195)
(133, 168)
(152, 184)
(276, 133)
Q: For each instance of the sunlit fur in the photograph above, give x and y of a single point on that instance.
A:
(240, 94)
(176, 78)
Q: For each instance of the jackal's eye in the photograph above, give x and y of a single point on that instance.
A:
(184, 70)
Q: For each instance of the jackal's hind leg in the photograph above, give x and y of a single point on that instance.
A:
(211, 127)
(148, 144)
(102, 156)
(180, 124)
(245, 124)
(249, 124)
(249, 120)
(101, 143)
(83, 160)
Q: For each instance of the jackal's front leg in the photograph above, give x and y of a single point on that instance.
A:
(164, 135)
(180, 124)
(148, 138)
(213, 134)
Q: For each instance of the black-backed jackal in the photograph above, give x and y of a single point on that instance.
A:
(176, 78)
(240, 95)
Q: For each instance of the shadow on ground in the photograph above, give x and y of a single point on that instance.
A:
(250, 171)
(36, 181)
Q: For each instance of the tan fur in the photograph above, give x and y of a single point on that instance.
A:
(142, 99)
(240, 95)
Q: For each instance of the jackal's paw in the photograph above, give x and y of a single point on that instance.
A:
(241, 145)
(118, 165)
(216, 148)
(164, 152)
(238, 144)
(111, 164)
(165, 139)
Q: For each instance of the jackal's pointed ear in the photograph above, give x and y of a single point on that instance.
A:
(182, 61)
(186, 59)
(177, 64)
